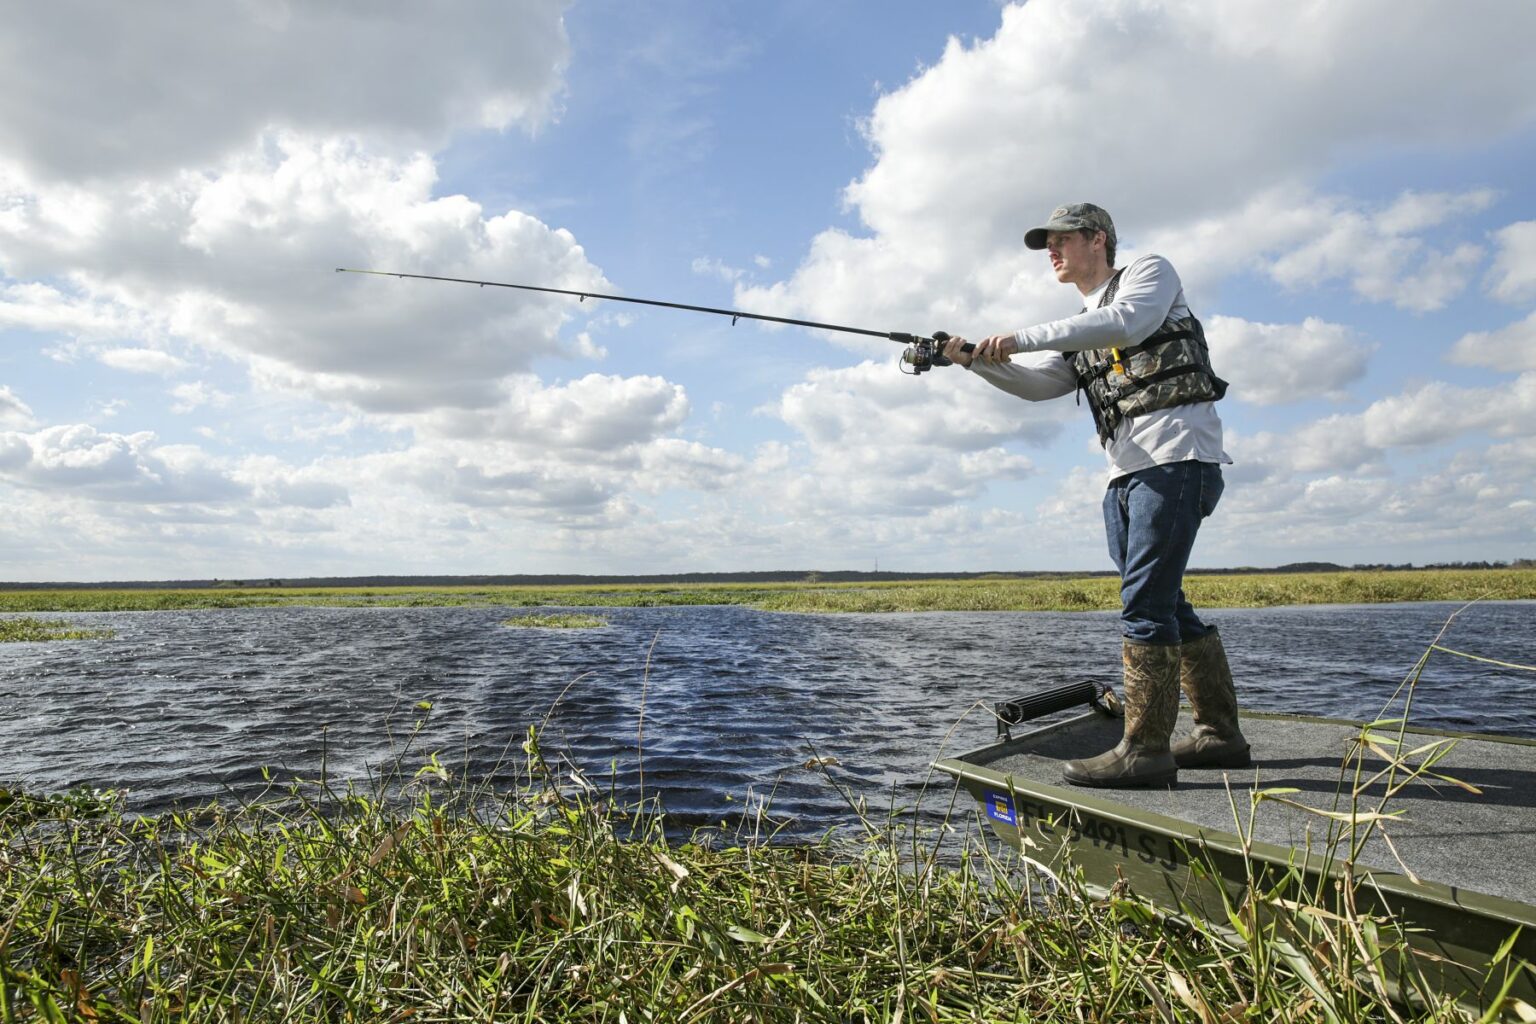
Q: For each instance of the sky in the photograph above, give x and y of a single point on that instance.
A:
(189, 390)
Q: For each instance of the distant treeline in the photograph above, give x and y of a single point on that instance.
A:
(778, 576)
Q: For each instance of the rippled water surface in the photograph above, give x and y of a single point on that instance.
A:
(193, 705)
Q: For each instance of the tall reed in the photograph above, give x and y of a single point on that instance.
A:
(536, 898)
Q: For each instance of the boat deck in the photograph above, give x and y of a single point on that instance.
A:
(1480, 842)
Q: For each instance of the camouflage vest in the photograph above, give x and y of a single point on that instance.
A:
(1171, 367)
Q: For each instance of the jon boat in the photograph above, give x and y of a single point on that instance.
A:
(1458, 874)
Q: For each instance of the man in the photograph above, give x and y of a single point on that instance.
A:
(1138, 355)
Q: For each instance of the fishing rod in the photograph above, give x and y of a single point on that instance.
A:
(921, 353)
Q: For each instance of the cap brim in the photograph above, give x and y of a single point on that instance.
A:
(1034, 238)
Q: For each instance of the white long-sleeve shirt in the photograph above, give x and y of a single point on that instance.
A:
(1149, 291)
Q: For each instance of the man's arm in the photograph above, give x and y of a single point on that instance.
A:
(1147, 291)
(1036, 377)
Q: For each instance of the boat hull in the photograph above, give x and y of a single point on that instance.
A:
(1459, 874)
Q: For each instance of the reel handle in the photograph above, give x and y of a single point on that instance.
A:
(924, 354)
(940, 338)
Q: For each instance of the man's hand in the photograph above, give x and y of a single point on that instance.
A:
(996, 349)
(951, 351)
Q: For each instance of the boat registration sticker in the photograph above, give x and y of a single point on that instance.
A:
(1000, 808)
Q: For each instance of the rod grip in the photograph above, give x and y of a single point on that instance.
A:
(943, 336)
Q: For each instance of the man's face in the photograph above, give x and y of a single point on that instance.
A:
(1074, 256)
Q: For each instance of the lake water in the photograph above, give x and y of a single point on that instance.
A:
(189, 706)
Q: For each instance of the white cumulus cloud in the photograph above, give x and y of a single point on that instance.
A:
(708, 266)
(90, 91)
(1270, 364)
(195, 395)
(596, 412)
(1511, 348)
(1513, 275)
(878, 442)
(14, 413)
(276, 484)
(1380, 254)
(240, 261)
(142, 360)
(1457, 510)
(81, 461)
(1419, 418)
(45, 309)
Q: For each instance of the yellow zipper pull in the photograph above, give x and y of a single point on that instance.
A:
(1119, 367)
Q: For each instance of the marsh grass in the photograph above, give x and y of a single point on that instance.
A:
(570, 620)
(535, 898)
(27, 629)
(1045, 593)
(534, 903)
(1102, 593)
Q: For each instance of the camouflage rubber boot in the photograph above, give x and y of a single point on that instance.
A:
(1216, 741)
(1151, 699)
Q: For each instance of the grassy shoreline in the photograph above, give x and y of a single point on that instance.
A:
(540, 904)
(1065, 593)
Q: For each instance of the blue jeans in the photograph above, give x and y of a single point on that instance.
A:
(1151, 518)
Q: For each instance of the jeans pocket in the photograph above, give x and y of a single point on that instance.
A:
(1211, 486)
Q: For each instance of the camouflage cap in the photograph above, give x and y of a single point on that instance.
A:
(1072, 217)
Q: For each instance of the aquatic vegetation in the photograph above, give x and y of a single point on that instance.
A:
(30, 630)
(1102, 593)
(988, 593)
(570, 620)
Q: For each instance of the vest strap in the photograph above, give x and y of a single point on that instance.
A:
(1142, 383)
